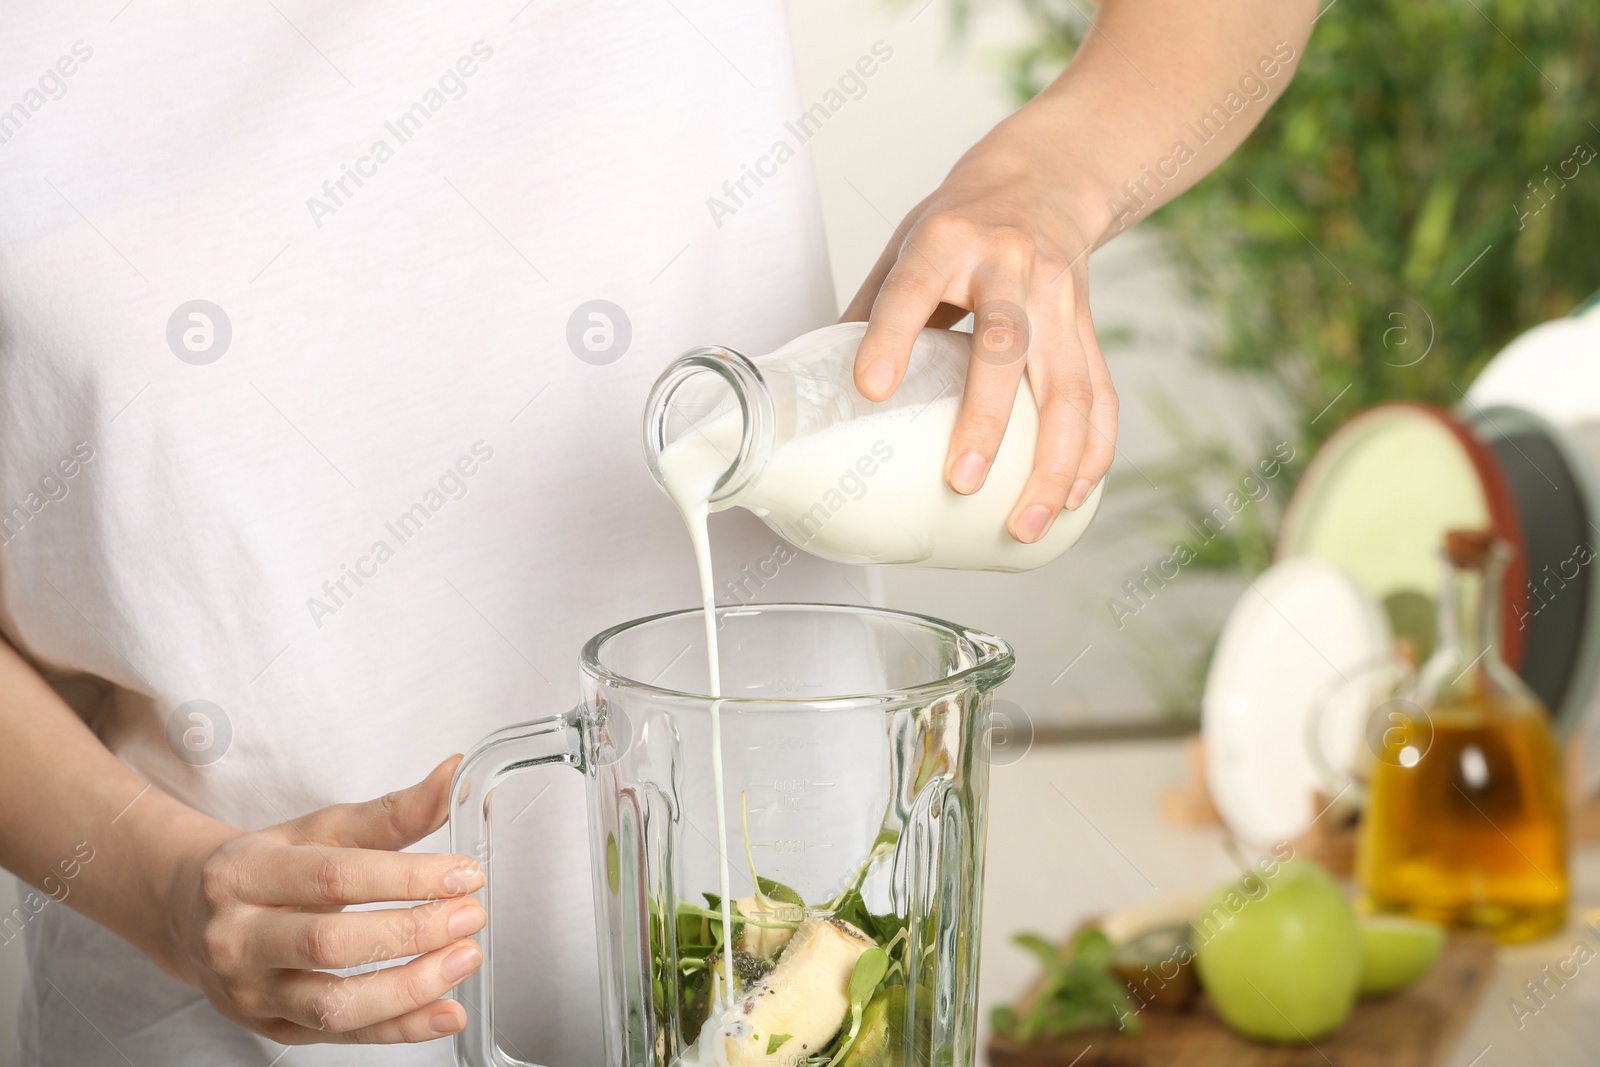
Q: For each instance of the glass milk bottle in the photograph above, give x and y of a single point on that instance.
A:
(1466, 821)
(788, 437)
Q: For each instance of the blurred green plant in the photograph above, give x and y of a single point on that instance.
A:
(1427, 189)
(1171, 502)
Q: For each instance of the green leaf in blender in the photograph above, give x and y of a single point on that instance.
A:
(864, 980)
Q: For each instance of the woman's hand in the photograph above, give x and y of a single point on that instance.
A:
(1000, 238)
(257, 923)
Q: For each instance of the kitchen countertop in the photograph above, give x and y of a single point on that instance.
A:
(1075, 830)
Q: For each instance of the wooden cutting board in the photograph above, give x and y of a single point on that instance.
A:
(1414, 1028)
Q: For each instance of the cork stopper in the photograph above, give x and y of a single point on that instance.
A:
(1470, 548)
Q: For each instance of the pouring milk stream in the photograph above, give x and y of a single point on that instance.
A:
(842, 477)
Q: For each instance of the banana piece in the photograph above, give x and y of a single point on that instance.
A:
(1126, 924)
(804, 996)
(765, 942)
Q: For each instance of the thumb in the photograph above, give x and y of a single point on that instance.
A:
(391, 822)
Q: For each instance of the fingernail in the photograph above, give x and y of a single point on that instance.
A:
(466, 919)
(1080, 489)
(467, 878)
(460, 963)
(1032, 523)
(444, 1020)
(967, 475)
(878, 377)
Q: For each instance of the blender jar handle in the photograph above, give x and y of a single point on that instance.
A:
(557, 740)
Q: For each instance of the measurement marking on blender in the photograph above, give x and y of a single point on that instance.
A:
(791, 845)
(783, 743)
(786, 804)
(798, 785)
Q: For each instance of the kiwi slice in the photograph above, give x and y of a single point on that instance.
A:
(1158, 967)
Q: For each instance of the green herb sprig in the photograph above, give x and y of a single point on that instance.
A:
(1079, 992)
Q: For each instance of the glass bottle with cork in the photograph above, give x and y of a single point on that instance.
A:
(1466, 822)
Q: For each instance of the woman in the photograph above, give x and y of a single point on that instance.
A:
(323, 334)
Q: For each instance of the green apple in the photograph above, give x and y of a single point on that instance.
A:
(1279, 952)
(1396, 951)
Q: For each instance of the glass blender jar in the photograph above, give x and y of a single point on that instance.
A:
(856, 780)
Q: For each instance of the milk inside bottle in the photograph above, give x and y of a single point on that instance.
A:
(787, 437)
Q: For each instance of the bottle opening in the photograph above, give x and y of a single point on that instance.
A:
(1473, 549)
(714, 401)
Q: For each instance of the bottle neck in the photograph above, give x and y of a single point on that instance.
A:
(1469, 614)
(697, 387)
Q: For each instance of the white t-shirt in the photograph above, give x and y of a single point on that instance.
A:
(369, 499)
